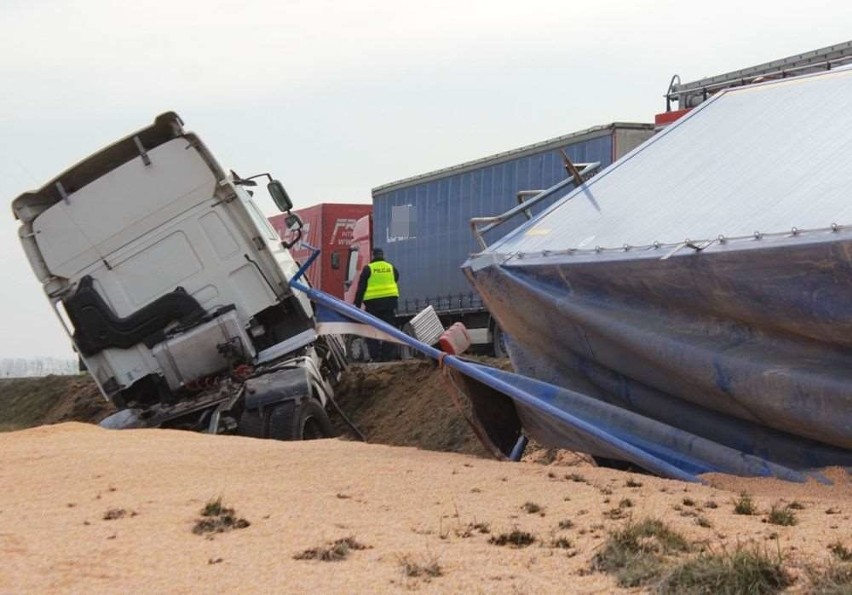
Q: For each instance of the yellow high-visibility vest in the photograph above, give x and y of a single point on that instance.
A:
(381, 282)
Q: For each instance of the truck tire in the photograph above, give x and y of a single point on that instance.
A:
(356, 349)
(251, 424)
(307, 421)
(498, 342)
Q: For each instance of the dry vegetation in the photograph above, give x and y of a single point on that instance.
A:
(218, 518)
(334, 551)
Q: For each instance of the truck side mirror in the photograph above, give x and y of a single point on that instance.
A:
(294, 223)
(279, 195)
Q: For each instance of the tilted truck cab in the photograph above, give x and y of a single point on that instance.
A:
(175, 288)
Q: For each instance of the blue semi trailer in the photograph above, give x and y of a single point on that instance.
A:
(423, 222)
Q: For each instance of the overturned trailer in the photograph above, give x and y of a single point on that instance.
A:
(692, 301)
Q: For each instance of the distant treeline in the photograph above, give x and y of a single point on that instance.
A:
(21, 367)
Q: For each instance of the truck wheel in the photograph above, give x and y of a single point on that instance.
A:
(356, 349)
(406, 352)
(308, 421)
(498, 342)
(314, 422)
(251, 424)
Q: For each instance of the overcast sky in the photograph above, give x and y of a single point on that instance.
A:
(336, 98)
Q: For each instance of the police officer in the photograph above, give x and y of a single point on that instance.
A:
(378, 289)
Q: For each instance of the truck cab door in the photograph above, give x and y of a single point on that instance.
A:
(359, 255)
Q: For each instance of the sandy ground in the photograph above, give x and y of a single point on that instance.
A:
(405, 505)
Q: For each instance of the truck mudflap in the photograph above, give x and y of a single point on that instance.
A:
(278, 386)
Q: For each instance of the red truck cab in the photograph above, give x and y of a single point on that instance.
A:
(329, 227)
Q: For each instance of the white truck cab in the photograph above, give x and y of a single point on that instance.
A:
(173, 286)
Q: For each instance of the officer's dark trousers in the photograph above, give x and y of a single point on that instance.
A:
(381, 351)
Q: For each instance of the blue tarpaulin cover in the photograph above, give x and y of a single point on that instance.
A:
(695, 298)
(504, 407)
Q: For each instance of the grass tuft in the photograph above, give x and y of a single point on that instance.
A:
(117, 513)
(745, 505)
(840, 551)
(635, 554)
(781, 516)
(217, 518)
(331, 552)
(213, 508)
(473, 528)
(743, 571)
(515, 539)
(615, 514)
(531, 508)
(836, 579)
(562, 543)
(412, 569)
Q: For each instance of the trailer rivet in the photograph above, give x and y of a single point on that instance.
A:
(626, 247)
(835, 227)
(722, 239)
(795, 231)
(656, 245)
(757, 235)
(598, 249)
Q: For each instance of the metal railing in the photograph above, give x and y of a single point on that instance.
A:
(482, 225)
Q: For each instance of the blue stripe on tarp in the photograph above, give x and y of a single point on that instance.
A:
(324, 314)
(678, 447)
(591, 425)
